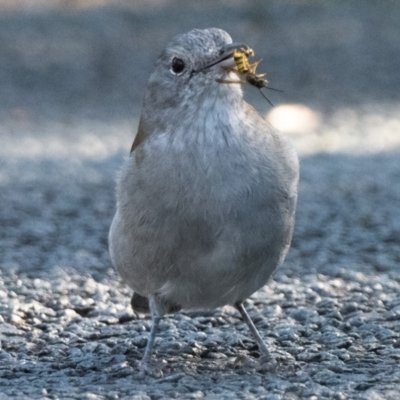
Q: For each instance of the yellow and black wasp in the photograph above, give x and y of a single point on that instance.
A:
(241, 58)
(240, 53)
(248, 71)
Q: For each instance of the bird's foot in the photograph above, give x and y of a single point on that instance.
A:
(151, 368)
(267, 363)
(244, 361)
(264, 364)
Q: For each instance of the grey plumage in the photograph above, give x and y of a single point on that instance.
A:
(206, 199)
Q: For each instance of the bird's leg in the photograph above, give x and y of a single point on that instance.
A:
(261, 345)
(148, 366)
(267, 361)
(150, 343)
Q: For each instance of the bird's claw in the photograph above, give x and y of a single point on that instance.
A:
(244, 361)
(264, 364)
(151, 368)
(267, 363)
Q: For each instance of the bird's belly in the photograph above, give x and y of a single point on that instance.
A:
(198, 256)
(200, 234)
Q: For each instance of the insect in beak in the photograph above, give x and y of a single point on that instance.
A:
(226, 55)
(246, 71)
(234, 57)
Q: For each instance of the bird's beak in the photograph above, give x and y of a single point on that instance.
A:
(226, 57)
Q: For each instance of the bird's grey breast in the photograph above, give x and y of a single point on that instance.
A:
(204, 216)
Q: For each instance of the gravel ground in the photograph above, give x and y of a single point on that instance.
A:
(72, 80)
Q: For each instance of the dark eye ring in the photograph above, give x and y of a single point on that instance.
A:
(177, 66)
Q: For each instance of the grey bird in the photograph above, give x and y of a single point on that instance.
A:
(206, 200)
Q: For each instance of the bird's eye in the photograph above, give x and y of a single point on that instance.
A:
(177, 66)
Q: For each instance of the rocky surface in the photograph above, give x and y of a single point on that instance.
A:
(331, 316)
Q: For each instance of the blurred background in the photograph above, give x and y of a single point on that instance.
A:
(73, 73)
(72, 79)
